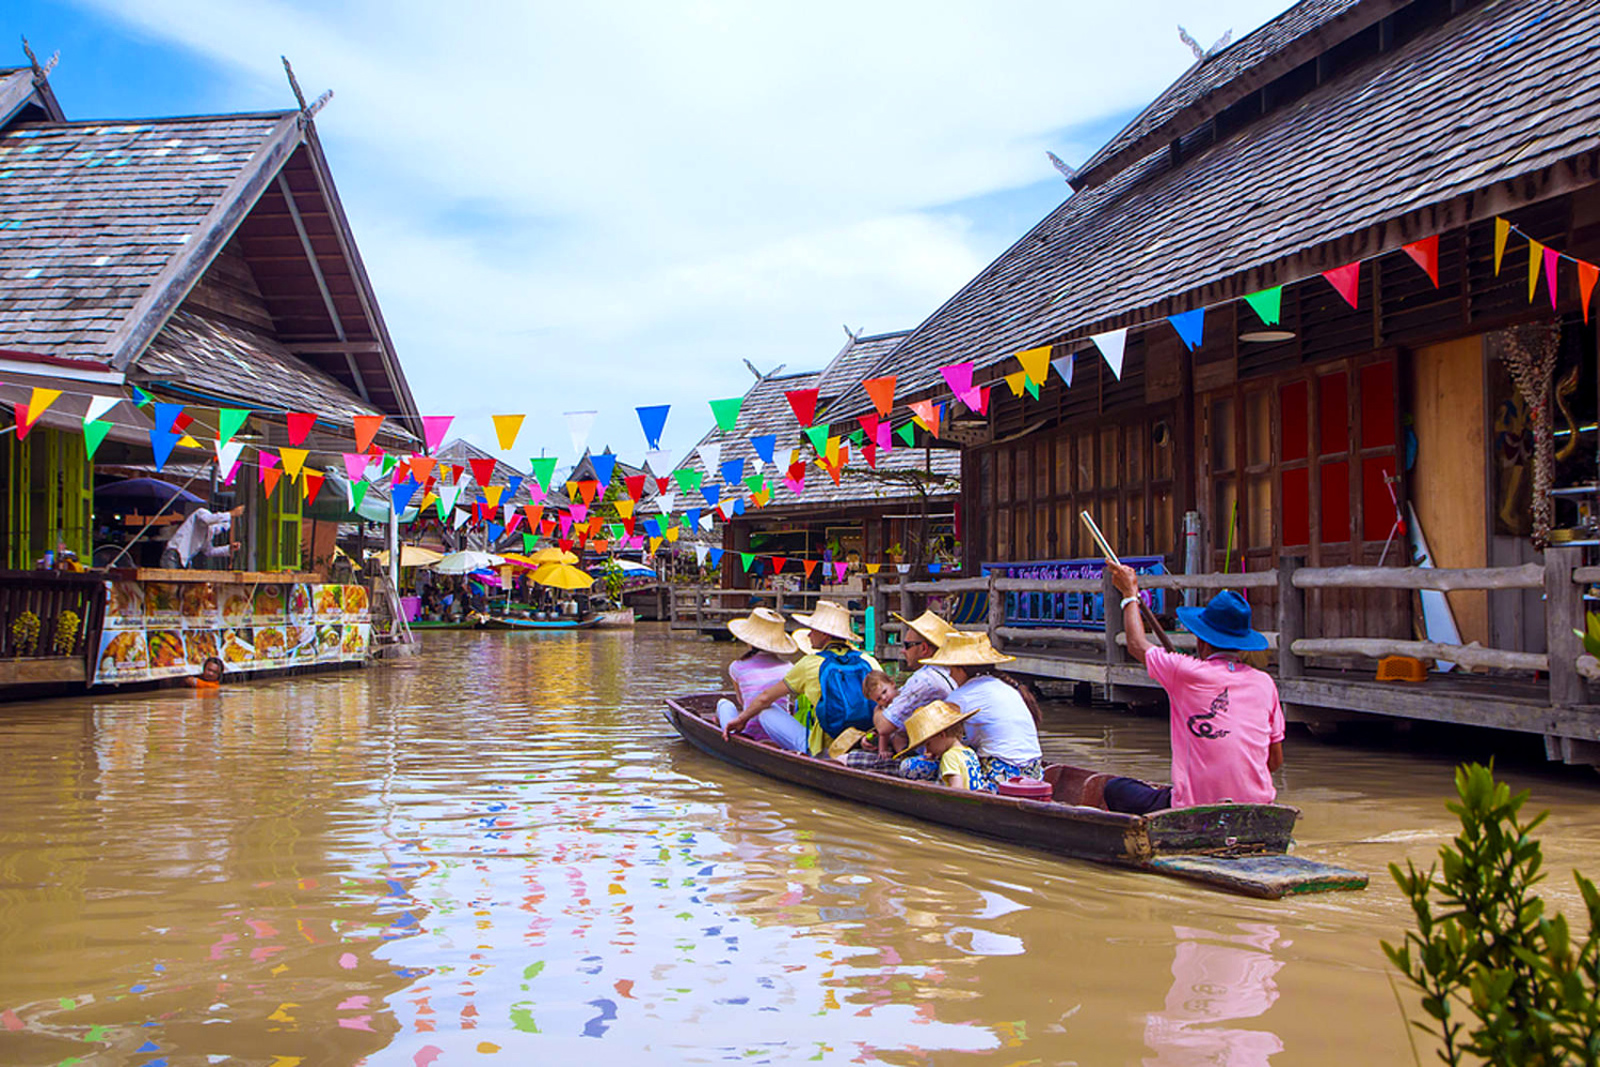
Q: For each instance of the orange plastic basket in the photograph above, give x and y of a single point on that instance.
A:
(1402, 669)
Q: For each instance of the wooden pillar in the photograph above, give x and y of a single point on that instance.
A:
(880, 608)
(997, 612)
(1115, 653)
(699, 609)
(1291, 618)
(1563, 613)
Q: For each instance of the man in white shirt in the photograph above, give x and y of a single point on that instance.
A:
(194, 537)
(922, 636)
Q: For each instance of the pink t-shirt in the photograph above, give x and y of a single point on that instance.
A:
(752, 674)
(1225, 714)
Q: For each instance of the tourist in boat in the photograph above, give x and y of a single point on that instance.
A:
(827, 680)
(1226, 722)
(1004, 728)
(922, 637)
(937, 729)
(769, 652)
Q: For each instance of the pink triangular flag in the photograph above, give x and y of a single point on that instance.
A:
(434, 427)
(958, 376)
(1550, 258)
(355, 465)
(1346, 280)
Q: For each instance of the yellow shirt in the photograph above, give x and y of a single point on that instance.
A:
(962, 763)
(805, 677)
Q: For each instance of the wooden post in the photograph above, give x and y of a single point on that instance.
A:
(997, 612)
(907, 608)
(880, 608)
(1291, 618)
(1563, 613)
(699, 610)
(1115, 653)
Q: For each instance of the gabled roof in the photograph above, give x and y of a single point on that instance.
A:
(854, 360)
(460, 451)
(1392, 151)
(25, 96)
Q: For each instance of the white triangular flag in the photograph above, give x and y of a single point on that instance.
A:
(1063, 367)
(461, 518)
(659, 460)
(506, 511)
(578, 424)
(98, 407)
(711, 456)
(664, 501)
(227, 454)
(700, 554)
(706, 521)
(449, 494)
(1111, 346)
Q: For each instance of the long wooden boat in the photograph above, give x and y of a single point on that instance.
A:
(1238, 847)
(500, 622)
(615, 620)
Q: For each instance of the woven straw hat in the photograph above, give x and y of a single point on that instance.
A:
(931, 719)
(831, 620)
(802, 641)
(928, 625)
(963, 648)
(763, 629)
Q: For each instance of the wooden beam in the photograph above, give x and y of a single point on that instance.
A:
(334, 348)
(322, 286)
(1378, 647)
(1527, 576)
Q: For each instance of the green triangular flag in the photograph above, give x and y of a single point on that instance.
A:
(228, 422)
(858, 438)
(684, 522)
(93, 434)
(529, 541)
(818, 436)
(907, 433)
(617, 530)
(747, 558)
(140, 397)
(727, 412)
(1268, 304)
(756, 483)
(688, 480)
(543, 470)
(358, 493)
(1031, 386)
(389, 461)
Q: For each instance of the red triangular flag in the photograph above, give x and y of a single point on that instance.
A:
(366, 429)
(184, 420)
(547, 527)
(983, 400)
(300, 423)
(870, 450)
(312, 485)
(23, 426)
(778, 562)
(810, 566)
(482, 471)
(869, 425)
(804, 404)
(881, 390)
(627, 524)
(1346, 280)
(566, 545)
(662, 484)
(833, 470)
(1425, 254)
(1587, 274)
(635, 486)
(455, 472)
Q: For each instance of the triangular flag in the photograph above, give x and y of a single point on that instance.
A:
(293, 460)
(228, 453)
(764, 444)
(269, 478)
(448, 496)
(1346, 281)
(492, 494)
(663, 484)
(188, 442)
(434, 427)
(140, 397)
(1587, 274)
(506, 429)
(543, 470)
(838, 571)
(162, 443)
(1014, 381)
(1425, 254)
(726, 412)
(881, 391)
(1111, 345)
(1191, 327)
(588, 488)
(873, 568)
(958, 376)
(624, 508)
(1063, 366)
(99, 407)
(810, 565)
(1030, 385)
(367, 427)
(818, 436)
(1550, 258)
(482, 471)
(653, 420)
(732, 471)
(1535, 261)
(747, 558)
(578, 425)
(908, 434)
(164, 415)
(870, 450)
(461, 518)
(927, 414)
(299, 425)
(528, 543)
(422, 468)
(311, 485)
(40, 399)
(1035, 362)
(355, 465)
(93, 434)
(1502, 230)
(1267, 304)
(869, 424)
(755, 483)
(700, 554)
(981, 396)
(357, 493)
(778, 562)
(402, 493)
(712, 493)
(495, 530)
(711, 455)
(803, 402)
(183, 422)
(513, 483)
(604, 466)
(688, 479)
(635, 486)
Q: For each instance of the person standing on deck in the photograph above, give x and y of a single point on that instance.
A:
(1226, 720)
(194, 535)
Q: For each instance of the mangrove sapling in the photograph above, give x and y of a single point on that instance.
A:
(1500, 980)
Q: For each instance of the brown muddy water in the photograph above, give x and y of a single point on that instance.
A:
(499, 852)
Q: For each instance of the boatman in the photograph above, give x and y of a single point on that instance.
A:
(1226, 721)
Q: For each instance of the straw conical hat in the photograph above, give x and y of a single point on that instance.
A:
(829, 619)
(802, 641)
(763, 629)
(931, 719)
(963, 648)
(928, 625)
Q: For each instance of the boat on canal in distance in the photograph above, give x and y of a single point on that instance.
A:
(1242, 848)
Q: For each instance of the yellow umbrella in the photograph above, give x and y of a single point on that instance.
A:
(412, 556)
(562, 576)
(552, 554)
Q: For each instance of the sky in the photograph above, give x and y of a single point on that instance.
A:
(601, 206)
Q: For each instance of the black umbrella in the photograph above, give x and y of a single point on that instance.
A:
(136, 493)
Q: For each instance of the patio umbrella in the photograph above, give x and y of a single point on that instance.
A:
(562, 576)
(467, 562)
(552, 554)
(135, 493)
(629, 567)
(412, 556)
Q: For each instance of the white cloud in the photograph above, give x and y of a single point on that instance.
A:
(607, 205)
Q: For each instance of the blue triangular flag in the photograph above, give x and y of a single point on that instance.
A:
(653, 420)
(140, 397)
(764, 444)
(606, 463)
(716, 557)
(166, 414)
(653, 524)
(694, 518)
(738, 506)
(712, 493)
(403, 493)
(1191, 327)
(732, 471)
(513, 483)
(495, 530)
(163, 442)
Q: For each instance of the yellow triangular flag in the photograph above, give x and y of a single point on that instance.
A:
(1502, 230)
(761, 498)
(833, 450)
(492, 494)
(572, 490)
(655, 543)
(38, 401)
(872, 568)
(1035, 363)
(506, 428)
(1535, 261)
(427, 499)
(624, 508)
(672, 533)
(293, 459)
(188, 442)
(1015, 381)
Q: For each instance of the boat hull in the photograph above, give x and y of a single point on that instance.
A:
(539, 624)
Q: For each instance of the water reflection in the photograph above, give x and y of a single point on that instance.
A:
(1217, 978)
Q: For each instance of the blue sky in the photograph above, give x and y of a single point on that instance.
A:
(605, 206)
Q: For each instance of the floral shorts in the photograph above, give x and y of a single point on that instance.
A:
(997, 770)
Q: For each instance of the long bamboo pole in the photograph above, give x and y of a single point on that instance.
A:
(1150, 620)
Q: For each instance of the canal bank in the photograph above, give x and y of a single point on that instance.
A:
(499, 849)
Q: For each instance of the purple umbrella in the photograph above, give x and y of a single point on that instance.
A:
(135, 493)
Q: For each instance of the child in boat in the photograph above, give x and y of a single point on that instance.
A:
(879, 688)
(938, 728)
(210, 674)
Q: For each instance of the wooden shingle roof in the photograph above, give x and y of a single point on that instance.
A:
(1396, 149)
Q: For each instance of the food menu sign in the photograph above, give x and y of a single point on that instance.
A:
(159, 630)
(1068, 610)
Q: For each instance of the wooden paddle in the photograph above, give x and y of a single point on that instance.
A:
(1150, 621)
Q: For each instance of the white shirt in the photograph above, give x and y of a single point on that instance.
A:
(188, 539)
(926, 684)
(1002, 725)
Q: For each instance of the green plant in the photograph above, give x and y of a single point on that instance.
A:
(25, 632)
(614, 579)
(66, 636)
(1500, 980)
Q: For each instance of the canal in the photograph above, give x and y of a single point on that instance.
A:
(498, 851)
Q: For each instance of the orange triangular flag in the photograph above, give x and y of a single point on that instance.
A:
(269, 478)
(506, 428)
(1502, 230)
(1587, 274)
(1425, 254)
(367, 427)
(422, 467)
(1535, 261)
(927, 415)
(881, 390)
(810, 565)
(587, 489)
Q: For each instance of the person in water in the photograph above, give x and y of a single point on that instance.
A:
(1226, 722)
(210, 676)
(768, 654)
(937, 729)
(1004, 728)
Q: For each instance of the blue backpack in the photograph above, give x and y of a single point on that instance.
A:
(843, 704)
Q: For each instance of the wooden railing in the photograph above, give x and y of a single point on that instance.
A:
(48, 596)
(705, 608)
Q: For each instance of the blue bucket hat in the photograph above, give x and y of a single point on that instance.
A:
(1224, 623)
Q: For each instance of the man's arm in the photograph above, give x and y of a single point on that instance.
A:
(1127, 583)
(763, 700)
(1274, 757)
